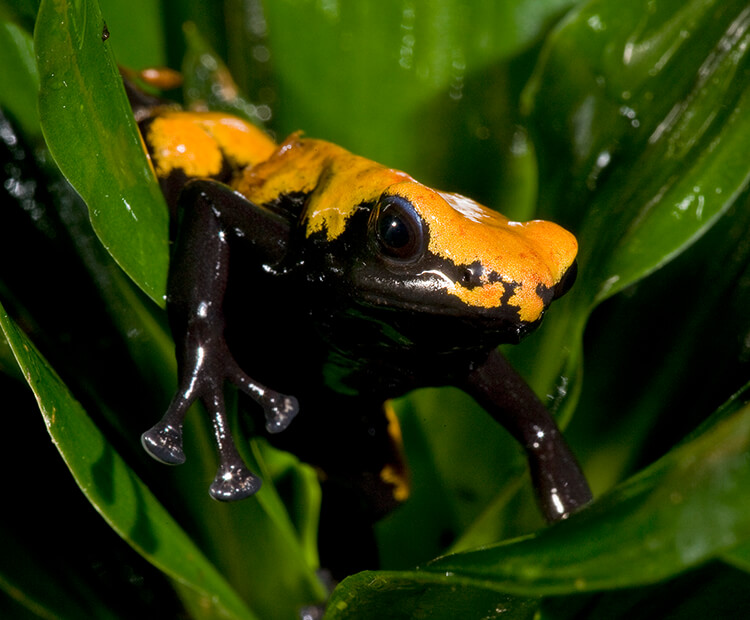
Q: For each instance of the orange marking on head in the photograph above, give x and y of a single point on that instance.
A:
(337, 181)
(465, 232)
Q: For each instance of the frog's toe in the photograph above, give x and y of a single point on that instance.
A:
(280, 411)
(234, 482)
(164, 443)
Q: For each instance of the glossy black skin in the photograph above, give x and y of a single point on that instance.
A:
(288, 311)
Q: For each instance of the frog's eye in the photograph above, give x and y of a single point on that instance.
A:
(398, 228)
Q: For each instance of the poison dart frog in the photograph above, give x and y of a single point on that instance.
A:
(320, 282)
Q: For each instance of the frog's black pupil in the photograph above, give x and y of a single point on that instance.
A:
(398, 229)
(393, 232)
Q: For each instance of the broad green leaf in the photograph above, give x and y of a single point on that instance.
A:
(425, 87)
(21, 79)
(408, 595)
(642, 152)
(114, 489)
(411, 53)
(658, 99)
(684, 510)
(91, 133)
(137, 34)
(715, 591)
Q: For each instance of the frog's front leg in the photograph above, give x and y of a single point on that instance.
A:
(559, 482)
(212, 218)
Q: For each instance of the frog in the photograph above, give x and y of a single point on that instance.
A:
(323, 285)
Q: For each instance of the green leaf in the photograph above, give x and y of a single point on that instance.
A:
(114, 489)
(21, 79)
(302, 506)
(658, 99)
(92, 136)
(408, 595)
(716, 591)
(653, 346)
(427, 88)
(137, 33)
(643, 151)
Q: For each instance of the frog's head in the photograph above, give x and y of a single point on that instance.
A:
(414, 255)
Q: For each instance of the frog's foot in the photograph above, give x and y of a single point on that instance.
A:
(559, 482)
(163, 441)
(233, 481)
(279, 409)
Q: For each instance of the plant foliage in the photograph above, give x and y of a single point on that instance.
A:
(628, 123)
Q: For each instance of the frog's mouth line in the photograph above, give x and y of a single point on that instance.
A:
(433, 292)
(449, 320)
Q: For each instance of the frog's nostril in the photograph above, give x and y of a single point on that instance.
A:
(472, 275)
(567, 280)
